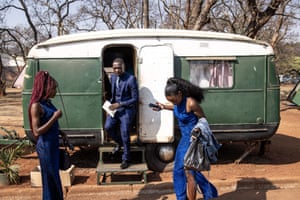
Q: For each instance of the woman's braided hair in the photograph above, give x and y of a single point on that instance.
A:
(175, 84)
(43, 83)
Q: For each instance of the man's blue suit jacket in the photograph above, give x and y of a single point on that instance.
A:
(129, 90)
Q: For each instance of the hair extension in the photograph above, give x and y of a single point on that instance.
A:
(43, 83)
(174, 85)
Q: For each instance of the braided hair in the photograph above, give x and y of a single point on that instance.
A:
(175, 84)
(42, 86)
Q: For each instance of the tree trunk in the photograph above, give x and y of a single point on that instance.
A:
(202, 17)
(2, 88)
(259, 18)
(2, 83)
(146, 14)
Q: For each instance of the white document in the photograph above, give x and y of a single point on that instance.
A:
(107, 109)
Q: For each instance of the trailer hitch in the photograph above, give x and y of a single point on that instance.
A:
(264, 146)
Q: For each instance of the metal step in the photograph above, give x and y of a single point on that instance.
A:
(107, 148)
(104, 170)
(107, 168)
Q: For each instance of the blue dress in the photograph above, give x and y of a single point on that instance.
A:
(186, 122)
(48, 152)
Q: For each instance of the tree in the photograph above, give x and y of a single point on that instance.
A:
(51, 17)
(40, 18)
(113, 14)
(201, 12)
(145, 8)
(2, 82)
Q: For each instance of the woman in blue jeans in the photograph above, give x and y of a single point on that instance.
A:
(185, 98)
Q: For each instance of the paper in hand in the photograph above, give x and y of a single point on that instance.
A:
(107, 109)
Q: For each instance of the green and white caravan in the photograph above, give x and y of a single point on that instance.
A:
(237, 73)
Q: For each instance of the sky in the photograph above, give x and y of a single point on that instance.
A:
(17, 17)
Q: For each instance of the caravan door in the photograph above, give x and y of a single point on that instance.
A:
(155, 67)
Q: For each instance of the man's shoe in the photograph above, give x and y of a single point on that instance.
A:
(124, 164)
(116, 149)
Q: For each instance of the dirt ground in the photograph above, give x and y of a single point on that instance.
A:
(282, 159)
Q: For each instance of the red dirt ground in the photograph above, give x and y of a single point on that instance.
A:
(282, 159)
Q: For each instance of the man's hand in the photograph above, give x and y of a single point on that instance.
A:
(114, 106)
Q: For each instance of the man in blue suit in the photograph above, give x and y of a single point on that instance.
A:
(124, 99)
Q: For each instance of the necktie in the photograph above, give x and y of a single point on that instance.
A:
(118, 81)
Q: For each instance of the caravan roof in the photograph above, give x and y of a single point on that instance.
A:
(184, 42)
(138, 33)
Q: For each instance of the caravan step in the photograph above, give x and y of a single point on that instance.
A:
(111, 169)
(108, 149)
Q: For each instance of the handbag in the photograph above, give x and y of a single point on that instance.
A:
(64, 159)
(196, 157)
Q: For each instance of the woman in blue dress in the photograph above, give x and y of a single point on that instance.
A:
(43, 117)
(185, 98)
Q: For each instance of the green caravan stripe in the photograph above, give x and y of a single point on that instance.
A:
(88, 130)
(81, 94)
(224, 90)
(72, 94)
(273, 88)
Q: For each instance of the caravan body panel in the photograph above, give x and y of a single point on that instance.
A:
(237, 74)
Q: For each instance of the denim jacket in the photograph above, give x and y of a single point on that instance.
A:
(208, 140)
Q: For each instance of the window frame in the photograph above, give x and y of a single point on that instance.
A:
(230, 59)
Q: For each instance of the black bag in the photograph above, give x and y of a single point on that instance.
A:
(196, 157)
(64, 159)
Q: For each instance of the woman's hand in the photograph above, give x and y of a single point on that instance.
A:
(159, 106)
(196, 132)
(63, 136)
(57, 114)
(156, 106)
(162, 106)
(66, 141)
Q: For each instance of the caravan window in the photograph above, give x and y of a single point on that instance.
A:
(211, 73)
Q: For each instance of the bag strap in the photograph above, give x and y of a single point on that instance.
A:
(63, 105)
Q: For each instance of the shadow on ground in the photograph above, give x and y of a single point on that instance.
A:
(246, 189)
(282, 150)
(86, 157)
(161, 191)
(242, 191)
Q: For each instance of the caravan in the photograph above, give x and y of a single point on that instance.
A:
(237, 74)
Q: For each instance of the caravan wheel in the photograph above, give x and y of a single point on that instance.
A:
(160, 157)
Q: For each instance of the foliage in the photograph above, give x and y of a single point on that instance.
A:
(288, 58)
(8, 155)
(297, 63)
(10, 134)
